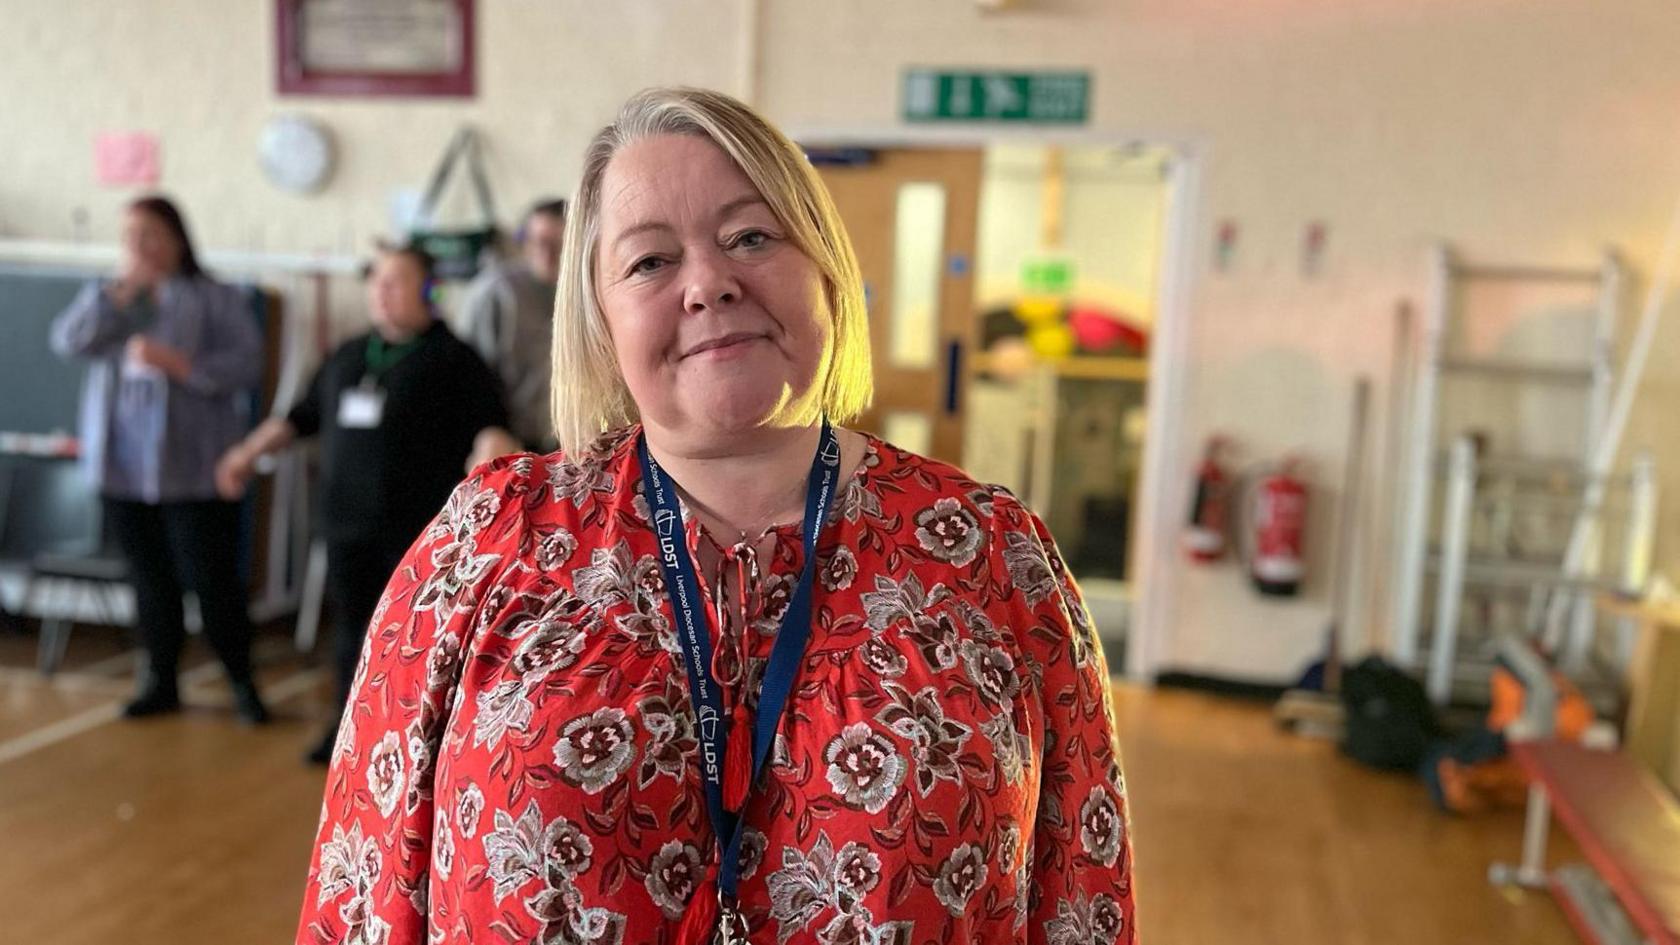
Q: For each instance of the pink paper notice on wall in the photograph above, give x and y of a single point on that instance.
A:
(124, 158)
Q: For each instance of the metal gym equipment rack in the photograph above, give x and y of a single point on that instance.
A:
(1438, 650)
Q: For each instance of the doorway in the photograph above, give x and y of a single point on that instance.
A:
(1015, 293)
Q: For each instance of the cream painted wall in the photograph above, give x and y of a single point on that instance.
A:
(199, 75)
(1531, 131)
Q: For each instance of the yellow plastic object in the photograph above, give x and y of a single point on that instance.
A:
(1037, 310)
(1051, 341)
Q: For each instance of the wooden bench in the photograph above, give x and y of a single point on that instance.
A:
(1627, 824)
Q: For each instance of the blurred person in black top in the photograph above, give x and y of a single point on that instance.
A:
(400, 410)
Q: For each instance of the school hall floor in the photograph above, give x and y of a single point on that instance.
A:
(194, 829)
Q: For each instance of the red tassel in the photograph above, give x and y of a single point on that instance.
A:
(737, 761)
(699, 921)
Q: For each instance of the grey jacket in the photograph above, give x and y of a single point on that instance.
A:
(144, 437)
(508, 317)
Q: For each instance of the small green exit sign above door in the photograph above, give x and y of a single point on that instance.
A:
(1058, 98)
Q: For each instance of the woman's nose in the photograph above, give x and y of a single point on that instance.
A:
(710, 284)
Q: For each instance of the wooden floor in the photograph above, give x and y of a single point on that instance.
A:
(191, 829)
(196, 830)
(1245, 834)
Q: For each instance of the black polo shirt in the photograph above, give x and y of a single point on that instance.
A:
(390, 479)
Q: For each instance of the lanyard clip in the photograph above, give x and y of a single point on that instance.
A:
(732, 925)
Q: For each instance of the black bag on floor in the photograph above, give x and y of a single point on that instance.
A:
(1390, 723)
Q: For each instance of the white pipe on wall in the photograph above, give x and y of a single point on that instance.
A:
(752, 60)
(62, 253)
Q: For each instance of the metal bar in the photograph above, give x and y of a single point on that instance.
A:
(1582, 612)
(279, 573)
(1455, 530)
(1642, 525)
(1413, 513)
(1347, 548)
(1636, 557)
(1524, 273)
(1603, 353)
(1562, 502)
(1540, 469)
(1495, 573)
(1532, 871)
(1538, 721)
(309, 608)
(1389, 471)
(1521, 371)
(1583, 615)
(1540, 696)
(1603, 452)
(54, 644)
(1592, 908)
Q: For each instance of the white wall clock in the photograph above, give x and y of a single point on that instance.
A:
(296, 153)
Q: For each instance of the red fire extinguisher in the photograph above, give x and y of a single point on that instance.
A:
(1278, 529)
(1204, 537)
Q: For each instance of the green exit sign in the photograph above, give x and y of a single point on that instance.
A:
(1060, 98)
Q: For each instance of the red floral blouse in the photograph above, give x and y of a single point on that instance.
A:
(519, 762)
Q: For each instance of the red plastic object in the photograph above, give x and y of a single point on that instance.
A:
(1097, 329)
(1624, 820)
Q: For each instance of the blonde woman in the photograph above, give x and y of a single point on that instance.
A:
(722, 669)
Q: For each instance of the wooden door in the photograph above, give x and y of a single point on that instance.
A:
(912, 217)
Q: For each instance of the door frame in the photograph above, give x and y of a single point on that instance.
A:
(1162, 491)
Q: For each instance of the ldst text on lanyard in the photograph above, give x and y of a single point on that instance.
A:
(702, 921)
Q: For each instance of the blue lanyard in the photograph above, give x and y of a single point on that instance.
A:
(692, 633)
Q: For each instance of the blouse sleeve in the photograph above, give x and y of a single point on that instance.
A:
(92, 327)
(230, 358)
(1081, 852)
(370, 871)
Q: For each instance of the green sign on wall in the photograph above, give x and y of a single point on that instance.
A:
(1047, 276)
(1061, 98)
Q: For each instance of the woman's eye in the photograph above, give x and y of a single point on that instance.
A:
(646, 265)
(752, 239)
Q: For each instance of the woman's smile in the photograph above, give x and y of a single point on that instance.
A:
(726, 347)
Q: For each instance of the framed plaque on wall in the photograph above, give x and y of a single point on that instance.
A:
(375, 47)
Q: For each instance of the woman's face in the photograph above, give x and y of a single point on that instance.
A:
(544, 233)
(395, 297)
(720, 323)
(145, 240)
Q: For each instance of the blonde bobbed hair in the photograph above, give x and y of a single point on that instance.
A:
(589, 394)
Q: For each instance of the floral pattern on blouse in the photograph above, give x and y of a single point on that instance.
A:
(519, 759)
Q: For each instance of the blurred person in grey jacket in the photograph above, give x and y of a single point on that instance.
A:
(172, 355)
(507, 315)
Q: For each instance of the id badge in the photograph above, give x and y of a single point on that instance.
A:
(361, 408)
